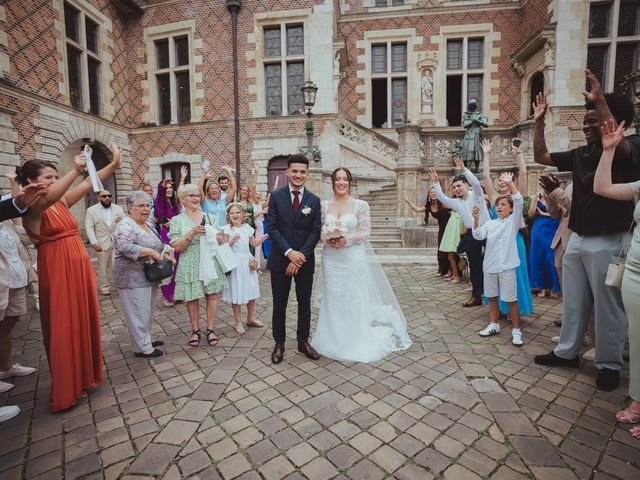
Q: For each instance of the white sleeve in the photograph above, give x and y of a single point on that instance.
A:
(481, 232)
(446, 201)
(474, 182)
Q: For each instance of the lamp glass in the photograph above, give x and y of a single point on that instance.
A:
(309, 90)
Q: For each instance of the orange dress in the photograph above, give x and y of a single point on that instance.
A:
(68, 308)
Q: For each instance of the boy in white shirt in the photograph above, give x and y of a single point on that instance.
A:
(501, 258)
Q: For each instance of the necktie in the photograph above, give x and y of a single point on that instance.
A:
(296, 201)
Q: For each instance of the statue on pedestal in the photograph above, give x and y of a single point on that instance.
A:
(426, 91)
(473, 121)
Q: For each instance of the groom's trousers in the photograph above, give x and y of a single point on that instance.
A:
(280, 286)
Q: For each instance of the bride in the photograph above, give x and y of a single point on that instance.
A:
(360, 319)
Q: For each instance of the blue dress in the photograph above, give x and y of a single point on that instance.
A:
(542, 270)
(525, 302)
(217, 208)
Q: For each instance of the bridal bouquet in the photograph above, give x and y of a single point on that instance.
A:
(333, 231)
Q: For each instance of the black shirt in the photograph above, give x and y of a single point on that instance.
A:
(592, 214)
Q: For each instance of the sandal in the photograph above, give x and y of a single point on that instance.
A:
(212, 340)
(627, 416)
(255, 323)
(453, 281)
(635, 432)
(195, 342)
(240, 330)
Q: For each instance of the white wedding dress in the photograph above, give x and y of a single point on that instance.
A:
(360, 319)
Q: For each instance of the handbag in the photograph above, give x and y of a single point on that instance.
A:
(615, 271)
(226, 258)
(157, 271)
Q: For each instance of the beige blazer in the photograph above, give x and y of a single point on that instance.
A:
(97, 229)
(559, 205)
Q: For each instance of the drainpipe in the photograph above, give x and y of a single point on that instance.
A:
(234, 6)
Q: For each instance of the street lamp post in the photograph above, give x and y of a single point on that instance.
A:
(309, 91)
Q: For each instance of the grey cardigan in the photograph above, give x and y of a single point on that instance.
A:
(129, 239)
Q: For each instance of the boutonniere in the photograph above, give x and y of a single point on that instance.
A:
(306, 210)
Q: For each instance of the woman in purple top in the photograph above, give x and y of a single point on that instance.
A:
(166, 207)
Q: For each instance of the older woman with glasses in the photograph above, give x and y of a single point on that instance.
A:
(136, 242)
(185, 232)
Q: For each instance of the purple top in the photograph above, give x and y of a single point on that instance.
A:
(163, 208)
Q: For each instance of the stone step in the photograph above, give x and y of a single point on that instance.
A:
(405, 251)
(386, 243)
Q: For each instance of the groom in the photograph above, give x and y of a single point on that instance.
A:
(293, 225)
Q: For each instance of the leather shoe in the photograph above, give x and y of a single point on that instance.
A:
(473, 302)
(308, 350)
(278, 353)
(608, 379)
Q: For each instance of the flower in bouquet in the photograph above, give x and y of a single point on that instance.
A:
(333, 231)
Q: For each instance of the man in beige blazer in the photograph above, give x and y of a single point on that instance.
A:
(100, 221)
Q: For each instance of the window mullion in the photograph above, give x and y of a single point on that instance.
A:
(389, 88)
(285, 87)
(84, 66)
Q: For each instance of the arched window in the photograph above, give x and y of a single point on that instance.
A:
(537, 86)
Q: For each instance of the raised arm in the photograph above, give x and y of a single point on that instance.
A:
(486, 170)
(75, 194)
(184, 170)
(446, 201)
(523, 176)
(233, 185)
(516, 197)
(415, 208)
(533, 208)
(540, 151)
(201, 184)
(595, 96)
(602, 184)
(253, 188)
(476, 187)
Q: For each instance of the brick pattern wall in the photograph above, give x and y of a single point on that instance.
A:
(510, 23)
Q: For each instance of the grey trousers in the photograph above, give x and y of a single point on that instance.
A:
(584, 269)
(138, 305)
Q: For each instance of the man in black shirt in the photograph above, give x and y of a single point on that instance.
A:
(599, 225)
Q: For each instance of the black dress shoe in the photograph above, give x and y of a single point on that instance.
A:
(557, 323)
(157, 343)
(308, 350)
(608, 379)
(552, 360)
(278, 353)
(154, 354)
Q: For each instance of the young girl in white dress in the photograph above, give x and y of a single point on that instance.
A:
(243, 286)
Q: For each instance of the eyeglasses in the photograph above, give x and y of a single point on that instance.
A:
(142, 205)
(193, 195)
(106, 196)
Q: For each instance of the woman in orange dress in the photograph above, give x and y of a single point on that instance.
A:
(68, 294)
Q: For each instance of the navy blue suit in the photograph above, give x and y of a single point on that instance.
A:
(301, 233)
(8, 210)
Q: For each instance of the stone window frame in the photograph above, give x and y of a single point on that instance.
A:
(465, 71)
(283, 60)
(389, 75)
(150, 86)
(105, 93)
(371, 6)
(490, 65)
(611, 41)
(256, 37)
(372, 37)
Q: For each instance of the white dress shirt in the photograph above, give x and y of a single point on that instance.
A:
(464, 207)
(107, 214)
(18, 276)
(501, 251)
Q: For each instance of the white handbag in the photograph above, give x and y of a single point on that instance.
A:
(226, 258)
(615, 272)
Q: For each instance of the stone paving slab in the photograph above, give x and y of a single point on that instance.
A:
(453, 406)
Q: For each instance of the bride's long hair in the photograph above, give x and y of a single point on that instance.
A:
(334, 176)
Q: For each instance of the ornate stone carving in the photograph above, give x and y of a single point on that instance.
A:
(549, 52)
(352, 133)
(519, 68)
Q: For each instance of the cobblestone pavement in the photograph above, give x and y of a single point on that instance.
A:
(454, 406)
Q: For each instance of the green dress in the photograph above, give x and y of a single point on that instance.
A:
(451, 236)
(188, 285)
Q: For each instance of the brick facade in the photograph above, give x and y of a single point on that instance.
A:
(33, 83)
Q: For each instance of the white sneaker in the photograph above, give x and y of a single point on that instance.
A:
(516, 337)
(7, 413)
(5, 387)
(17, 371)
(555, 339)
(491, 329)
(589, 355)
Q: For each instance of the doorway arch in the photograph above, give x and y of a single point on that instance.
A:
(277, 172)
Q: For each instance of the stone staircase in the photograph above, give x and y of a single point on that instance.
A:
(385, 234)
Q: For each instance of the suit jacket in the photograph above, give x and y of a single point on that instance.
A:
(8, 210)
(97, 229)
(300, 232)
(559, 205)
